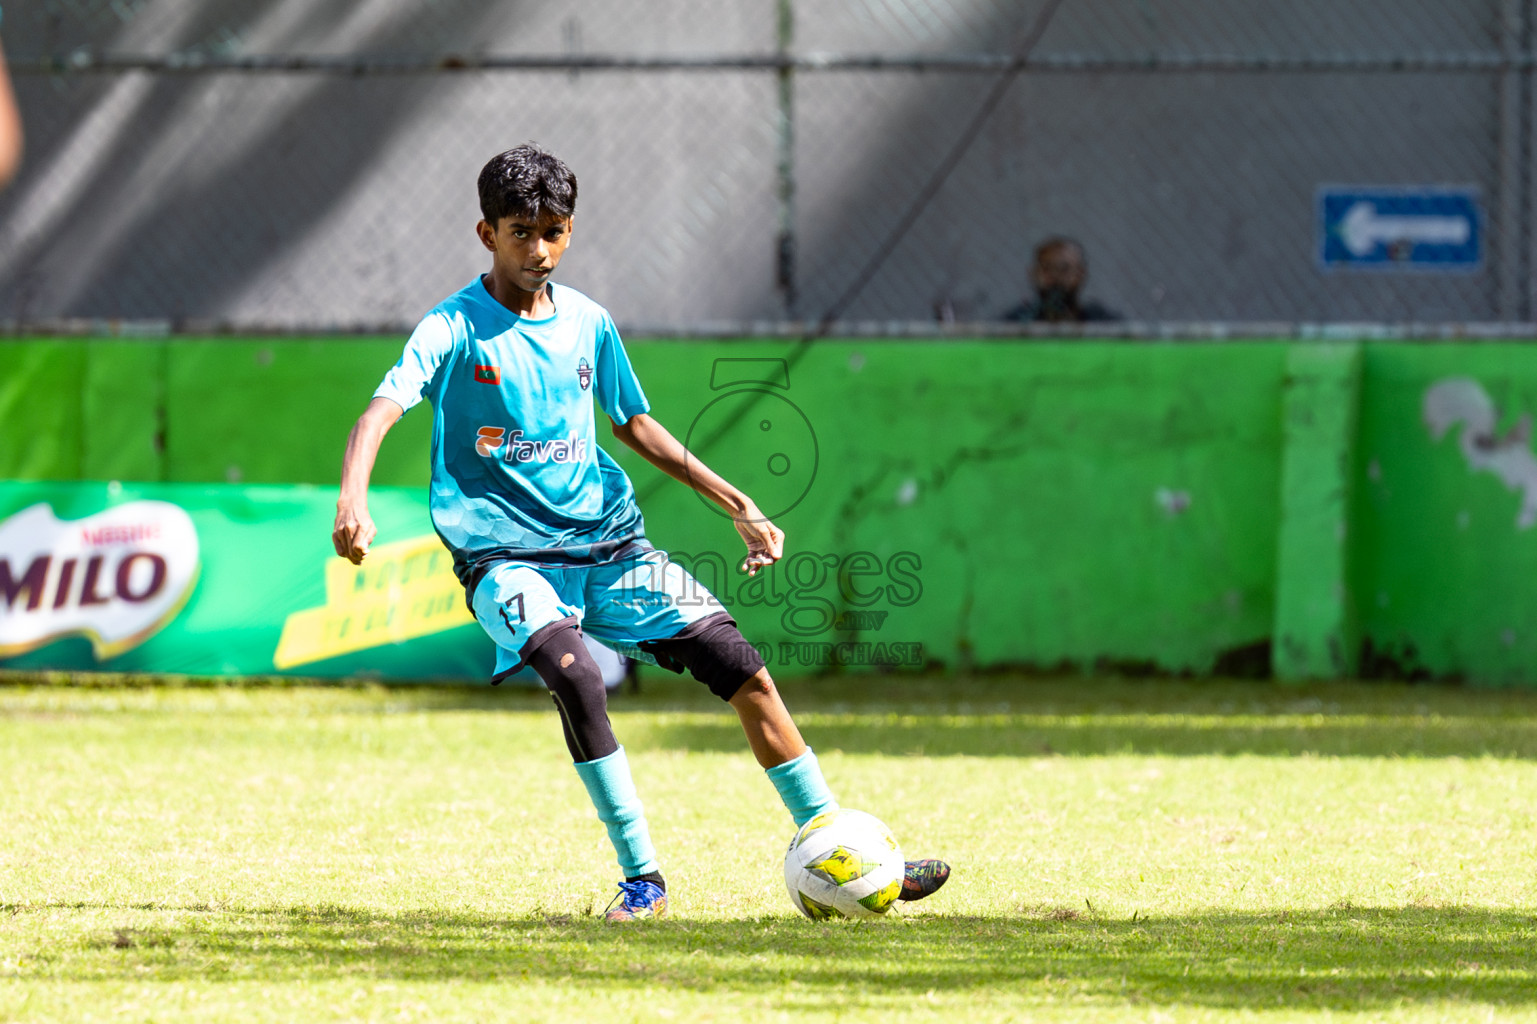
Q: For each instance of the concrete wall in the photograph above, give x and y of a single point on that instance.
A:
(306, 199)
(1444, 511)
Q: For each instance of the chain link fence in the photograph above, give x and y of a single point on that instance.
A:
(761, 164)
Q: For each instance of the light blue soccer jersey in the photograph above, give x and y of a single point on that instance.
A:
(517, 474)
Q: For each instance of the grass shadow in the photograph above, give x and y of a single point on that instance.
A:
(992, 716)
(1017, 717)
(1343, 958)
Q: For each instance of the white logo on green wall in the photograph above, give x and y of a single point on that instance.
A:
(1461, 401)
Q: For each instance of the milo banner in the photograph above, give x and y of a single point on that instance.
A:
(206, 579)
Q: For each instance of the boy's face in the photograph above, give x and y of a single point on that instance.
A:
(526, 251)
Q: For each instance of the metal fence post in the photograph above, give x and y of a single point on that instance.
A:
(785, 172)
(1511, 202)
(1528, 152)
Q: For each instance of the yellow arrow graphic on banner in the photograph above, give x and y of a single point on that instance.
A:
(404, 590)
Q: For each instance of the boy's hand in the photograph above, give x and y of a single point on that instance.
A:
(353, 532)
(765, 541)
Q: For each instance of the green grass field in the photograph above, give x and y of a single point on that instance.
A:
(1124, 851)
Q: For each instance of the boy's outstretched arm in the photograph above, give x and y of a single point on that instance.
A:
(354, 530)
(765, 541)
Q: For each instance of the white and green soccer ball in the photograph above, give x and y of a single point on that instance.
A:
(843, 864)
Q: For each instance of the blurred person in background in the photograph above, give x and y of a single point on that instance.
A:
(1058, 274)
(10, 121)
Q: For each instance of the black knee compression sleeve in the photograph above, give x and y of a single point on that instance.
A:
(714, 652)
(576, 684)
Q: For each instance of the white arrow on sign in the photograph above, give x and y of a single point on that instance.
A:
(1363, 229)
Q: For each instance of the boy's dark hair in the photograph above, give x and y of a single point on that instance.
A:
(528, 182)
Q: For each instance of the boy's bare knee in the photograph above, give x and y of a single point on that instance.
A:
(759, 687)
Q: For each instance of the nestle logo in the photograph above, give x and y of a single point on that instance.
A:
(127, 534)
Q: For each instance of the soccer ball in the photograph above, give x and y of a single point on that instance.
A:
(843, 864)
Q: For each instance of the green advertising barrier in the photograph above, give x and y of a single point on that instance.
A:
(279, 412)
(42, 428)
(180, 410)
(1316, 628)
(1444, 515)
(986, 503)
(213, 579)
(1306, 508)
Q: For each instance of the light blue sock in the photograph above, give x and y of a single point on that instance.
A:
(612, 791)
(802, 788)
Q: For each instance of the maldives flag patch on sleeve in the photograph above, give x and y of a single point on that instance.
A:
(488, 374)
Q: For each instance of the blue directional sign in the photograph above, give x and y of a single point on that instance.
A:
(1416, 228)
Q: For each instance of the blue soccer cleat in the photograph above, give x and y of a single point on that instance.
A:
(922, 878)
(637, 901)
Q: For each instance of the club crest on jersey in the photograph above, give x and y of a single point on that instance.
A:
(490, 440)
(584, 373)
(488, 374)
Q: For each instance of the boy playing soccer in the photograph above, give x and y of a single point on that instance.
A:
(546, 536)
